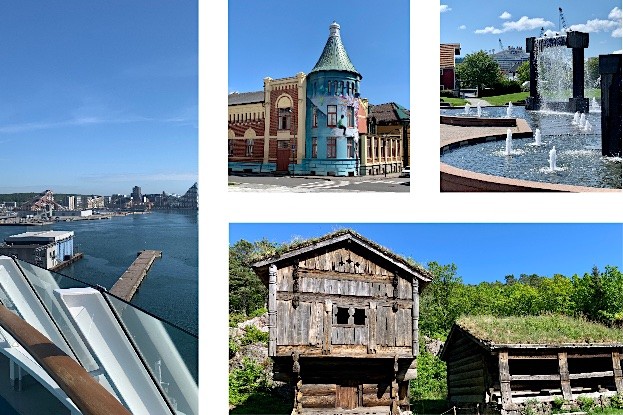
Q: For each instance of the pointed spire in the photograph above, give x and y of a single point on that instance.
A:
(334, 56)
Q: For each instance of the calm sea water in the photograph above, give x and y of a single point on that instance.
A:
(170, 290)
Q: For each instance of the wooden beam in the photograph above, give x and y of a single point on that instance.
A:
(618, 373)
(505, 380)
(587, 375)
(327, 324)
(535, 377)
(272, 310)
(415, 314)
(563, 369)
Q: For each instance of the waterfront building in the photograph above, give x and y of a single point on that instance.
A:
(70, 202)
(190, 199)
(137, 196)
(47, 249)
(508, 59)
(95, 202)
(305, 124)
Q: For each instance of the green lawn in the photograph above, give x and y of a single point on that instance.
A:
(505, 99)
(455, 102)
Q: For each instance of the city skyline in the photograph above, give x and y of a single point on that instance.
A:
(91, 103)
(482, 25)
(481, 251)
(379, 49)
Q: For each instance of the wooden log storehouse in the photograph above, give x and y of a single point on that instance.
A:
(343, 324)
(504, 362)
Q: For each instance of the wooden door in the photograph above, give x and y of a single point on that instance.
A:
(346, 396)
(283, 155)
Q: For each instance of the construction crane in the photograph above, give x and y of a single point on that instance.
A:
(561, 21)
(501, 46)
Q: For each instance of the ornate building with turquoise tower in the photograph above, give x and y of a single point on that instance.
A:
(334, 113)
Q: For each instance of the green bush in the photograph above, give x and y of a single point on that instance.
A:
(233, 347)
(235, 318)
(259, 312)
(616, 401)
(253, 335)
(244, 382)
(431, 378)
(586, 403)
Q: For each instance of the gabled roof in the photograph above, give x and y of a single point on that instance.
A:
(389, 112)
(334, 56)
(336, 239)
(532, 332)
(238, 98)
(447, 51)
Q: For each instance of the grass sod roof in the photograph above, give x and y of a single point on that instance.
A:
(299, 244)
(546, 330)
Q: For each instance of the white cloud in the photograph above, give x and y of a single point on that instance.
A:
(488, 29)
(616, 32)
(596, 25)
(615, 14)
(524, 23)
(505, 15)
(618, 51)
(462, 27)
(444, 8)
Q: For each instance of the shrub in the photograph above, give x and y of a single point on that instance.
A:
(235, 318)
(253, 335)
(233, 347)
(616, 401)
(259, 312)
(446, 93)
(243, 382)
(586, 403)
(431, 377)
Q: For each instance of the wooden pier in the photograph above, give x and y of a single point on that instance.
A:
(129, 282)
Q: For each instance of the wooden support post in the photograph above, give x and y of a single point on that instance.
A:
(505, 381)
(326, 327)
(272, 310)
(372, 328)
(618, 373)
(415, 315)
(393, 393)
(565, 383)
(298, 395)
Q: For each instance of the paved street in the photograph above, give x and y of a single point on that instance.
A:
(309, 184)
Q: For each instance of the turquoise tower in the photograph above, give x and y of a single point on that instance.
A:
(332, 108)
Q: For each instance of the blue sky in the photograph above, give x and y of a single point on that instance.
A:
(482, 252)
(478, 24)
(98, 96)
(275, 39)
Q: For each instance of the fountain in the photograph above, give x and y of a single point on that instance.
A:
(509, 142)
(595, 107)
(467, 108)
(552, 159)
(478, 110)
(537, 137)
(588, 144)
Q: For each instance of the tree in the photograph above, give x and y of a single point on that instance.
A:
(592, 72)
(478, 70)
(523, 72)
(246, 292)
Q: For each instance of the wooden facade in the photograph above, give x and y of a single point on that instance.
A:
(508, 375)
(343, 324)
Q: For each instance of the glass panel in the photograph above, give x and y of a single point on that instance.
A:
(170, 354)
(45, 282)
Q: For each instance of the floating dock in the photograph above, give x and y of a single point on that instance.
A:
(129, 282)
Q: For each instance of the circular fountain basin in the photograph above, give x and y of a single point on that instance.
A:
(579, 164)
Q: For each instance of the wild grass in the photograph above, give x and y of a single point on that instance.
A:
(546, 329)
